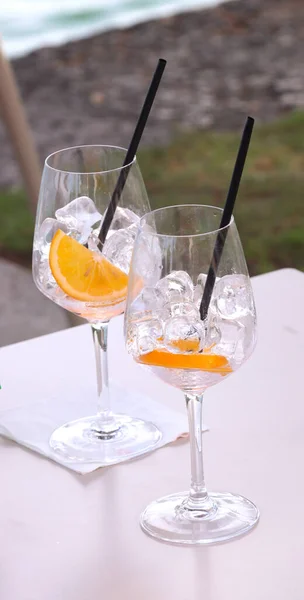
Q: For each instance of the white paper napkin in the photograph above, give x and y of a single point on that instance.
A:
(32, 425)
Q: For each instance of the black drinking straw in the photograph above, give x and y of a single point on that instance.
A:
(226, 216)
(139, 129)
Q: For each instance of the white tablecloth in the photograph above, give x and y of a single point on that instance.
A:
(66, 537)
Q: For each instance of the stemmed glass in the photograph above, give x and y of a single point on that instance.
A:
(69, 268)
(165, 333)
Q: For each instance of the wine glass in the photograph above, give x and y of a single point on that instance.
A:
(165, 333)
(72, 269)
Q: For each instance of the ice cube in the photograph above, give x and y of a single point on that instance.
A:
(213, 336)
(179, 309)
(45, 235)
(131, 338)
(123, 218)
(184, 335)
(152, 298)
(197, 295)
(79, 215)
(201, 280)
(199, 289)
(148, 335)
(245, 342)
(148, 259)
(48, 283)
(176, 287)
(118, 249)
(233, 298)
(149, 301)
(144, 336)
(230, 334)
(93, 242)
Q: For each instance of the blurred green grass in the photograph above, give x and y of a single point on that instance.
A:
(196, 168)
(17, 224)
(269, 212)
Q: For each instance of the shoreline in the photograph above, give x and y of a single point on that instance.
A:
(123, 20)
(224, 62)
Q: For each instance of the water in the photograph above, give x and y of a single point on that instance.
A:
(26, 25)
(81, 220)
(171, 340)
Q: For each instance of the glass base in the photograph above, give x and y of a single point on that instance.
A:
(170, 520)
(83, 441)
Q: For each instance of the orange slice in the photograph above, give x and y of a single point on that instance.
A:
(186, 345)
(214, 363)
(85, 275)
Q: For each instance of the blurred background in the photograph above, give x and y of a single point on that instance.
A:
(83, 66)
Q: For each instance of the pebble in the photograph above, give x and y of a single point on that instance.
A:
(222, 62)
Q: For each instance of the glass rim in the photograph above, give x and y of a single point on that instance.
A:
(89, 172)
(188, 235)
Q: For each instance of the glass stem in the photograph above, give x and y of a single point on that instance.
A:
(105, 423)
(198, 499)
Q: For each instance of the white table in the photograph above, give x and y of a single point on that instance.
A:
(71, 537)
